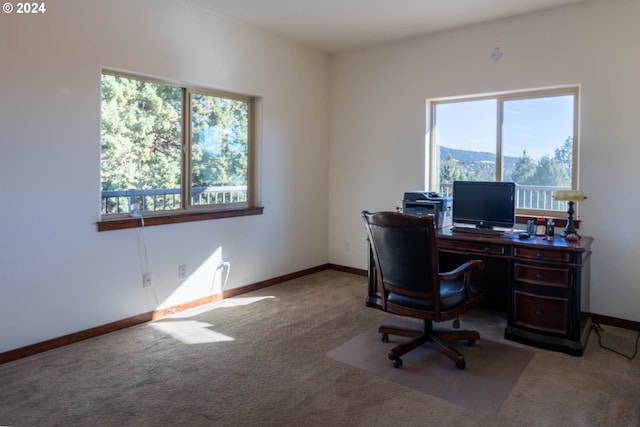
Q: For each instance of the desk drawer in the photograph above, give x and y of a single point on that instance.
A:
(542, 276)
(539, 312)
(541, 254)
(474, 247)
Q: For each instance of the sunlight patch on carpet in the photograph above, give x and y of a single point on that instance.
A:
(190, 331)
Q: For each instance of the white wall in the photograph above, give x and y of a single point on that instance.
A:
(58, 275)
(377, 146)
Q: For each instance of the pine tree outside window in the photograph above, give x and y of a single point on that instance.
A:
(171, 149)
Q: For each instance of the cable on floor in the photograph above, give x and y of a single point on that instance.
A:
(595, 326)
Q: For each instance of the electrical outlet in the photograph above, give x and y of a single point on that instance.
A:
(182, 271)
(146, 280)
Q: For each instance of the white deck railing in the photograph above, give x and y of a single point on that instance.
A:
(160, 199)
(529, 197)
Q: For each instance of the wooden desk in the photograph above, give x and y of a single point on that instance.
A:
(542, 285)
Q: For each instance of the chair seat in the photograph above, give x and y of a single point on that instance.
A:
(452, 296)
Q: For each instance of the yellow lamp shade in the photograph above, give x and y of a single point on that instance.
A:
(569, 195)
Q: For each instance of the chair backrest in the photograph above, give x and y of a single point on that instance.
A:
(404, 252)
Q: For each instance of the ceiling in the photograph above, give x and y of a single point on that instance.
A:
(339, 25)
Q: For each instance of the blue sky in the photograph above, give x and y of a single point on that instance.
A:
(538, 125)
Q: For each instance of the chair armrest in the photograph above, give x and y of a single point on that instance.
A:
(465, 271)
(462, 269)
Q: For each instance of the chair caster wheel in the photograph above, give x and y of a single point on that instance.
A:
(470, 343)
(461, 364)
(385, 337)
(397, 363)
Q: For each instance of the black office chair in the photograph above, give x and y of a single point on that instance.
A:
(405, 255)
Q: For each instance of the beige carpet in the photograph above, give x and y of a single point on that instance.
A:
(492, 368)
(259, 359)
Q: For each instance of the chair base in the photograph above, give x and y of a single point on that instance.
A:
(438, 339)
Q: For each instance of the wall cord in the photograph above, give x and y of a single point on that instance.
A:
(224, 265)
(144, 257)
(595, 326)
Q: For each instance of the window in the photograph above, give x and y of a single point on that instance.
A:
(173, 150)
(526, 137)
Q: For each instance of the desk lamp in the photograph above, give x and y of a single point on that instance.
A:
(570, 196)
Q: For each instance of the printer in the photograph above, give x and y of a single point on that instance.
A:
(422, 203)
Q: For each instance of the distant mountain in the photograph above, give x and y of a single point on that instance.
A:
(465, 156)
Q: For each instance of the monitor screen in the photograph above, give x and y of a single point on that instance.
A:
(485, 204)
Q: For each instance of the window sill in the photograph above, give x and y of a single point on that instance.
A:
(122, 223)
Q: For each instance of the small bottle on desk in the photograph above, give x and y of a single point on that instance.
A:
(550, 229)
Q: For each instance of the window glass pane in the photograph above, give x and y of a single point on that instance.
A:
(537, 143)
(141, 145)
(219, 148)
(465, 138)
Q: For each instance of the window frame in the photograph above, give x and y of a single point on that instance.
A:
(188, 212)
(501, 97)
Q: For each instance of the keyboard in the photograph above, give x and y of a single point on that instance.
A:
(473, 230)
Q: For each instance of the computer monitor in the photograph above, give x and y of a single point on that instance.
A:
(485, 204)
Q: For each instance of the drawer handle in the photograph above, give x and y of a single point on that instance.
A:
(487, 249)
(539, 313)
(539, 276)
(540, 255)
